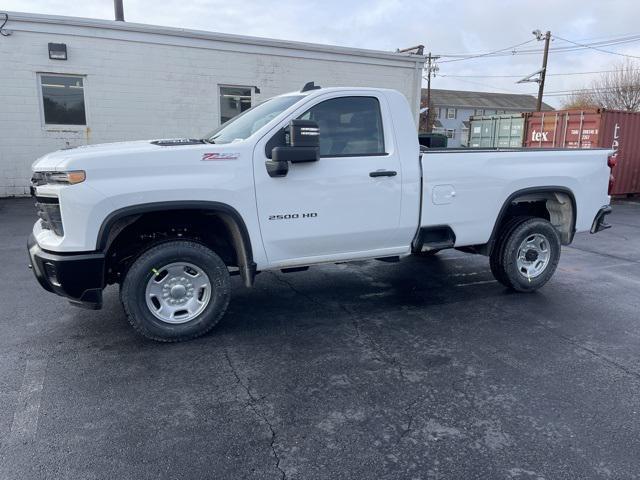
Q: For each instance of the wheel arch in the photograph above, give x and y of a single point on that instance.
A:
(529, 194)
(119, 219)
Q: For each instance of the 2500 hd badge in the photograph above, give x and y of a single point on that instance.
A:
(293, 216)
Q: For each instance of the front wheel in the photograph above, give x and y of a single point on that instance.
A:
(176, 291)
(527, 257)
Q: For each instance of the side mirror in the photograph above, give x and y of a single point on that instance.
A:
(295, 154)
(304, 133)
(305, 147)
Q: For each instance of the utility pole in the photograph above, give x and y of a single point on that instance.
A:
(543, 72)
(118, 10)
(432, 68)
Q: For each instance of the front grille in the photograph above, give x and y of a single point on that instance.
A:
(48, 209)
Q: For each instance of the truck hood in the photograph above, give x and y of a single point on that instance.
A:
(73, 157)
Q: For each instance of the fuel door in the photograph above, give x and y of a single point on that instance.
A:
(443, 194)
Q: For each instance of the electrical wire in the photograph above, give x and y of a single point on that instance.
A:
(566, 93)
(575, 46)
(468, 57)
(520, 76)
(595, 48)
(6, 19)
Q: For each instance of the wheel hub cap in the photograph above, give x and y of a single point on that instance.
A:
(178, 292)
(534, 254)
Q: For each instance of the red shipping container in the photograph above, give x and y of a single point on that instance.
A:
(595, 128)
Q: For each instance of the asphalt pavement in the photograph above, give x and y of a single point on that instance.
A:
(423, 369)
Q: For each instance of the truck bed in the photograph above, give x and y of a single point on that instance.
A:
(466, 189)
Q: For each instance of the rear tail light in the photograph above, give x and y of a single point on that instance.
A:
(612, 161)
(612, 182)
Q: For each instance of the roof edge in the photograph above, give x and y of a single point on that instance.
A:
(205, 35)
(435, 92)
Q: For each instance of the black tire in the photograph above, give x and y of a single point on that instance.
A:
(508, 269)
(133, 291)
(495, 259)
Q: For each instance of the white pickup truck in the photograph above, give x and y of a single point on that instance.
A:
(316, 176)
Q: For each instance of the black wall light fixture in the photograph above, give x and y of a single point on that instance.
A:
(57, 51)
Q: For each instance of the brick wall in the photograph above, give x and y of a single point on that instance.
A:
(136, 89)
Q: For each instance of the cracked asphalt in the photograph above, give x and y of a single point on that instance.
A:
(422, 369)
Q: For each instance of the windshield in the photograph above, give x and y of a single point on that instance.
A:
(248, 122)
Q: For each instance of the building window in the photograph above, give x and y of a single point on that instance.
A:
(489, 112)
(234, 101)
(437, 112)
(349, 126)
(478, 111)
(451, 113)
(63, 99)
(450, 133)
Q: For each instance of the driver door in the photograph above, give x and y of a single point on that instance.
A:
(345, 205)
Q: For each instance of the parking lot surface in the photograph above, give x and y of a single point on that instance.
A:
(421, 369)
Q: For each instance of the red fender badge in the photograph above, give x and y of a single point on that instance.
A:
(220, 156)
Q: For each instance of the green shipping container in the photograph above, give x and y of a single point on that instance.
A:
(496, 131)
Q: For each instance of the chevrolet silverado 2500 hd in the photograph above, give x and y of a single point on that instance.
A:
(316, 176)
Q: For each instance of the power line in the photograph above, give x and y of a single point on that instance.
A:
(575, 46)
(558, 93)
(522, 75)
(597, 49)
(611, 39)
(483, 54)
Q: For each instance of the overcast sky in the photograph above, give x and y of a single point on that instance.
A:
(443, 27)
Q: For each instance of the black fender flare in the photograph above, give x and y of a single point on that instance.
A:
(529, 191)
(229, 215)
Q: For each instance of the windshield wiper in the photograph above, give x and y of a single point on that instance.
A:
(207, 140)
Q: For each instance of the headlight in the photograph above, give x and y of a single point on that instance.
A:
(69, 178)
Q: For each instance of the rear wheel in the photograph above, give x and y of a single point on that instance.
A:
(176, 291)
(495, 260)
(527, 255)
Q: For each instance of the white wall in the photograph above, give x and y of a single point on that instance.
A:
(139, 86)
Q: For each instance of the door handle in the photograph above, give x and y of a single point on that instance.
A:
(383, 173)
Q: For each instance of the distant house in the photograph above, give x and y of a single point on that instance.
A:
(453, 108)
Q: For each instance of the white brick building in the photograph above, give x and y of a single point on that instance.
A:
(126, 81)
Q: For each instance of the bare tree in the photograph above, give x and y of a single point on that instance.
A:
(615, 90)
(580, 100)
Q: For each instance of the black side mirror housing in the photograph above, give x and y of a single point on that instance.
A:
(305, 147)
(304, 133)
(295, 154)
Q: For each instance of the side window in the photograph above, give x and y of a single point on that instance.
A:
(349, 126)
(63, 99)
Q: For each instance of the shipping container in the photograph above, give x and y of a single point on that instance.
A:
(496, 131)
(593, 128)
